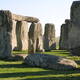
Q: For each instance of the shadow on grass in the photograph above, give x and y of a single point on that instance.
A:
(48, 71)
(40, 73)
(54, 78)
(22, 65)
(12, 66)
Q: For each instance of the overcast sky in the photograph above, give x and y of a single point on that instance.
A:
(48, 11)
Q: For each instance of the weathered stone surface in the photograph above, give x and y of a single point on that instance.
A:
(73, 30)
(8, 32)
(49, 37)
(5, 34)
(22, 35)
(74, 39)
(35, 38)
(14, 40)
(49, 61)
(24, 18)
(65, 28)
(75, 13)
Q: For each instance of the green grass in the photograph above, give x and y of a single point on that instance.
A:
(20, 52)
(15, 70)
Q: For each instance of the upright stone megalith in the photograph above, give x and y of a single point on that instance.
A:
(49, 37)
(72, 31)
(5, 34)
(22, 35)
(65, 28)
(35, 38)
(74, 39)
(14, 40)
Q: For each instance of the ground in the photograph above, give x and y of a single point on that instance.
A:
(15, 70)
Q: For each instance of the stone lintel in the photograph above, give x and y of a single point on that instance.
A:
(24, 18)
(19, 17)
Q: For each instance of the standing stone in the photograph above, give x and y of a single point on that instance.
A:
(49, 37)
(74, 39)
(35, 38)
(65, 28)
(22, 35)
(5, 34)
(14, 40)
(70, 37)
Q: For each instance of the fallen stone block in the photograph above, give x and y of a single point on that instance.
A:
(49, 61)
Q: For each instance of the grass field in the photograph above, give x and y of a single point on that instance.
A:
(15, 70)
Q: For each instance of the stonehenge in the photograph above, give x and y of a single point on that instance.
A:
(16, 36)
(49, 37)
(71, 42)
(13, 32)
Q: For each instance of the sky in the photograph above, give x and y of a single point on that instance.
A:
(48, 11)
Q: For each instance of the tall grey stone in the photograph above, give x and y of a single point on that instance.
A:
(5, 34)
(35, 38)
(49, 37)
(74, 39)
(72, 29)
(22, 35)
(65, 28)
